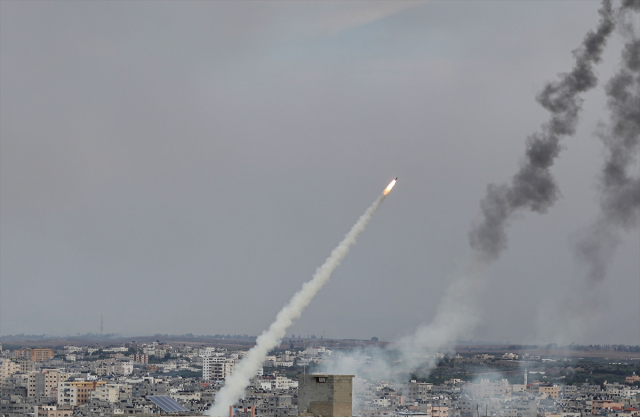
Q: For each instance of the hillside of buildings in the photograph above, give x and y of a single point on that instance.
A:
(112, 378)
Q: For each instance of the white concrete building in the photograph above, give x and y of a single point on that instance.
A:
(7, 368)
(110, 393)
(216, 368)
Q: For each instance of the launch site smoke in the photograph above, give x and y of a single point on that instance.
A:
(247, 368)
(417, 354)
(533, 186)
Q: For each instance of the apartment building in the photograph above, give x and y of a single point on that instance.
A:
(109, 392)
(142, 358)
(216, 368)
(7, 368)
(77, 392)
(45, 383)
(26, 365)
(40, 355)
(415, 391)
(553, 391)
(439, 411)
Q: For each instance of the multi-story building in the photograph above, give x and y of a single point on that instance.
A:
(552, 391)
(109, 392)
(77, 392)
(7, 368)
(26, 365)
(208, 351)
(325, 395)
(281, 383)
(18, 408)
(19, 353)
(125, 367)
(40, 355)
(221, 370)
(439, 411)
(416, 391)
(216, 367)
(142, 358)
(45, 383)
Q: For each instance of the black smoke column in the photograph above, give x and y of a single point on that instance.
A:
(533, 186)
(619, 187)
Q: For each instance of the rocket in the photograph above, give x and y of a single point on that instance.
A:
(390, 186)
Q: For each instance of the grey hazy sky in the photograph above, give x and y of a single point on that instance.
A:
(183, 167)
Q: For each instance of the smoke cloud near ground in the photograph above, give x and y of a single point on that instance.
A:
(247, 368)
(533, 186)
(456, 317)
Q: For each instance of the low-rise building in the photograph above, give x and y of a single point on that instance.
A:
(633, 378)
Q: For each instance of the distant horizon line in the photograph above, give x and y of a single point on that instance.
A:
(8, 338)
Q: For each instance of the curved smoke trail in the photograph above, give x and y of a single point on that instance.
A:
(246, 369)
(533, 186)
(619, 192)
(619, 185)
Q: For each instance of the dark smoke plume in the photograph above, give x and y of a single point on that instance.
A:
(533, 186)
(619, 188)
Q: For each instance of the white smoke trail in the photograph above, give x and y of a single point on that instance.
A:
(246, 369)
(456, 317)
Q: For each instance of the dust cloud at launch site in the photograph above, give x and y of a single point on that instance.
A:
(161, 155)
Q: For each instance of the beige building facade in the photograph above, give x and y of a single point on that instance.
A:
(77, 392)
(40, 355)
(53, 411)
(109, 392)
(45, 383)
(553, 391)
(7, 368)
(325, 395)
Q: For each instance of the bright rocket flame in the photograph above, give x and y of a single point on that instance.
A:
(389, 187)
